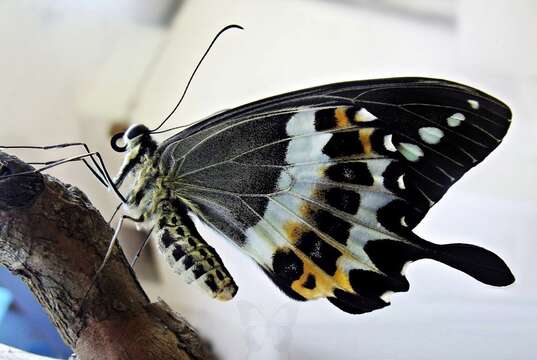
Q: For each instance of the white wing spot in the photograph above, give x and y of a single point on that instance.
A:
(386, 296)
(411, 152)
(302, 122)
(292, 267)
(364, 115)
(316, 251)
(455, 119)
(405, 267)
(306, 149)
(388, 144)
(348, 173)
(431, 135)
(401, 182)
(474, 104)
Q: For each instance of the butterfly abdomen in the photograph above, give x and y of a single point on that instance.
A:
(188, 254)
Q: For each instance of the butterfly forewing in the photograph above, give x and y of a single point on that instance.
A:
(322, 187)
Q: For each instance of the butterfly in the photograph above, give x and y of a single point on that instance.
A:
(321, 187)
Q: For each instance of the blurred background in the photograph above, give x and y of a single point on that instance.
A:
(80, 70)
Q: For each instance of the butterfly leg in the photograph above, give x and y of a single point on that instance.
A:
(107, 255)
(188, 254)
(141, 248)
(110, 184)
(99, 173)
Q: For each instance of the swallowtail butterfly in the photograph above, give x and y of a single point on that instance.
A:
(322, 187)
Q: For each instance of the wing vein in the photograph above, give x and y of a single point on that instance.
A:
(330, 240)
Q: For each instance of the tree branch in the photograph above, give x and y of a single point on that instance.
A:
(54, 240)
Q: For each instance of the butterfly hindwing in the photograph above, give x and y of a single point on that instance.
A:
(322, 187)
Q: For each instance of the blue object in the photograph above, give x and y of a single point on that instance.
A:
(23, 322)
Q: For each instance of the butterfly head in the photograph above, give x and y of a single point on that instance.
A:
(136, 135)
(135, 132)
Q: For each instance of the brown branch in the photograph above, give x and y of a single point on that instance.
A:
(54, 240)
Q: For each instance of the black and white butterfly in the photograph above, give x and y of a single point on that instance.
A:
(322, 187)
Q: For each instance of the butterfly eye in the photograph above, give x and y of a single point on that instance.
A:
(132, 132)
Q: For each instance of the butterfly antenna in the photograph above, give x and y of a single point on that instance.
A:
(233, 26)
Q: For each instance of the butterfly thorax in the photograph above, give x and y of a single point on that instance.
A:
(140, 164)
(147, 190)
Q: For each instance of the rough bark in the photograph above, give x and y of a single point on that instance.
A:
(54, 240)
